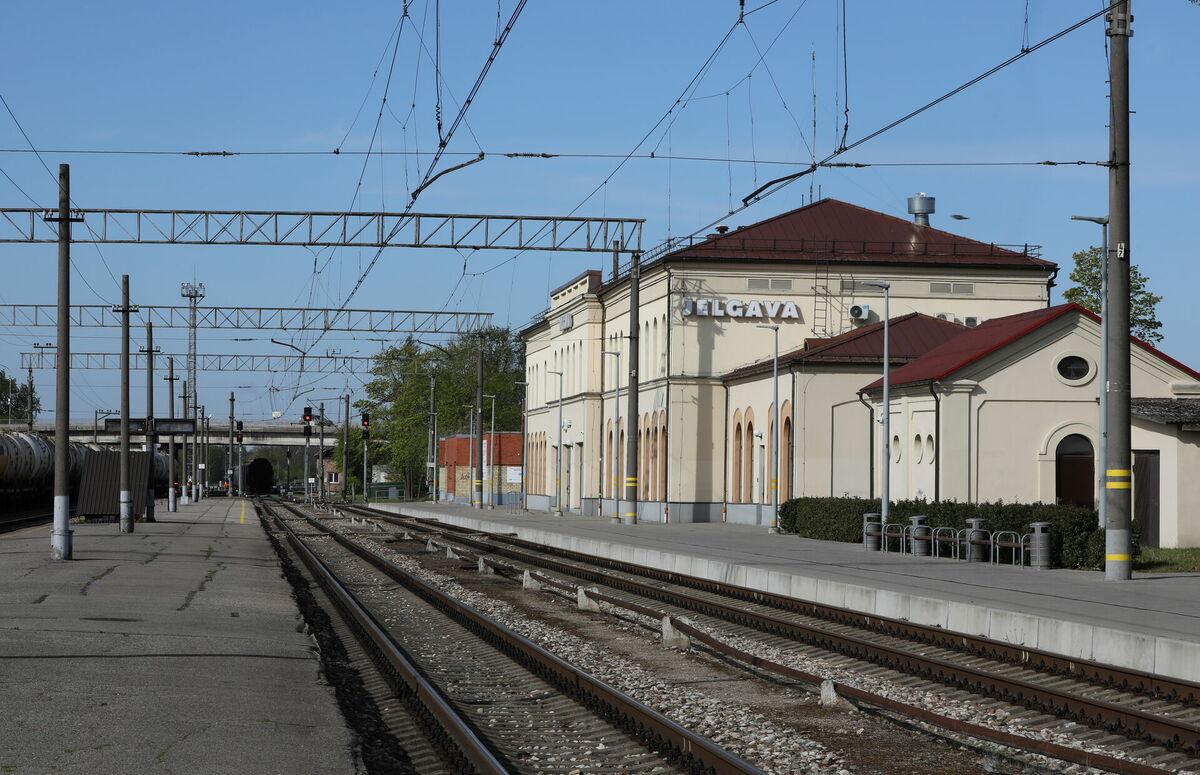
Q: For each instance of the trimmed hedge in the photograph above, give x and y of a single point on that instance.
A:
(1076, 540)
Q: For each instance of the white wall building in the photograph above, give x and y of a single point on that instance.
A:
(705, 434)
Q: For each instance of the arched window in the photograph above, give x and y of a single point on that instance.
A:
(785, 461)
(1075, 471)
(608, 462)
(662, 456)
(748, 461)
(735, 475)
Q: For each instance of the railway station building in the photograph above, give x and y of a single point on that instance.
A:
(999, 387)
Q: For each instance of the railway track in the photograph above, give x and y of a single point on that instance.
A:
(494, 702)
(1154, 719)
(24, 519)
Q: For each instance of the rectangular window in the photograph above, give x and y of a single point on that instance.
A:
(768, 284)
(333, 477)
(962, 289)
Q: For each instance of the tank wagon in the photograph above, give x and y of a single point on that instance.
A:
(258, 476)
(27, 468)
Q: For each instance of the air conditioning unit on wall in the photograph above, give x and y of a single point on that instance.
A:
(946, 316)
(860, 312)
(971, 321)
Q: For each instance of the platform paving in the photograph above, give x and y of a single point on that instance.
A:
(174, 649)
(1151, 623)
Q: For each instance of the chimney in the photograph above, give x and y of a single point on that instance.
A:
(920, 206)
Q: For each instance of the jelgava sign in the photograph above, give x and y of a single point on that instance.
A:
(733, 308)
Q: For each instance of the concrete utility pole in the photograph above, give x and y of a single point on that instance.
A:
(126, 498)
(524, 422)
(151, 439)
(29, 397)
(170, 379)
(366, 482)
(491, 458)
(1118, 559)
(431, 472)
(60, 535)
(470, 444)
(321, 455)
(232, 419)
(629, 516)
(345, 447)
(184, 402)
(479, 439)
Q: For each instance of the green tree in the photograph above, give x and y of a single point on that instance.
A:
(1088, 278)
(399, 398)
(14, 400)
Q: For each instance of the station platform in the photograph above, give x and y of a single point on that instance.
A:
(1151, 623)
(175, 648)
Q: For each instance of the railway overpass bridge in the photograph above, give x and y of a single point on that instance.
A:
(266, 434)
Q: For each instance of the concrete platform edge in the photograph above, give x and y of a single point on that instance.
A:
(1139, 651)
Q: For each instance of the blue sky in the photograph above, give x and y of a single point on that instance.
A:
(574, 78)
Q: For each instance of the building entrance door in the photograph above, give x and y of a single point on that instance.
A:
(1146, 494)
(567, 499)
(1075, 472)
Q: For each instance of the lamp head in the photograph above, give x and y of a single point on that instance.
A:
(876, 284)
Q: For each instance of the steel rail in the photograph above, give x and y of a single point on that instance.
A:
(657, 731)
(1160, 730)
(448, 731)
(861, 696)
(1178, 690)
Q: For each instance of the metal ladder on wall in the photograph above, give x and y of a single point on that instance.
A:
(828, 309)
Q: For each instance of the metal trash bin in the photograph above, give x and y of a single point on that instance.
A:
(872, 532)
(919, 536)
(977, 550)
(1039, 546)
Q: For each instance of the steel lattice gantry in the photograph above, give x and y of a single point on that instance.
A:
(378, 321)
(314, 229)
(308, 364)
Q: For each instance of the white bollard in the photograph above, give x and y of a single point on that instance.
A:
(584, 602)
(484, 568)
(831, 699)
(450, 555)
(673, 638)
(429, 547)
(529, 583)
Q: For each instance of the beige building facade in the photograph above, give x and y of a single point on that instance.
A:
(706, 431)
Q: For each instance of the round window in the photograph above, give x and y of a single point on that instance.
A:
(1074, 368)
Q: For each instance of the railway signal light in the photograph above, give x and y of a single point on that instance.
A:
(239, 437)
(366, 420)
(308, 414)
(239, 425)
(307, 431)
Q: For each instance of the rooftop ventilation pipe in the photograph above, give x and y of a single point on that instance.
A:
(920, 206)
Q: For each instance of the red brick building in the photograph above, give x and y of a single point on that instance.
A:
(502, 467)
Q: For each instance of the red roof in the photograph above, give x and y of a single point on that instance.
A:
(912, 336)
(834, 231)
(975, 343)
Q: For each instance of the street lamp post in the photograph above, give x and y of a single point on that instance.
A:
(775, 463)
(616, 444)
(559, 450)
(1102, 504)
(886, 447)
(491, 459)
(524, 423)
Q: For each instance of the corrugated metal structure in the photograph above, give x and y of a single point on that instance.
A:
(99, 488)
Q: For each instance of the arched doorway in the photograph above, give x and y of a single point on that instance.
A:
(1075, 472)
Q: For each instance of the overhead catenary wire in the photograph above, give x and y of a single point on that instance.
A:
(773, 186)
